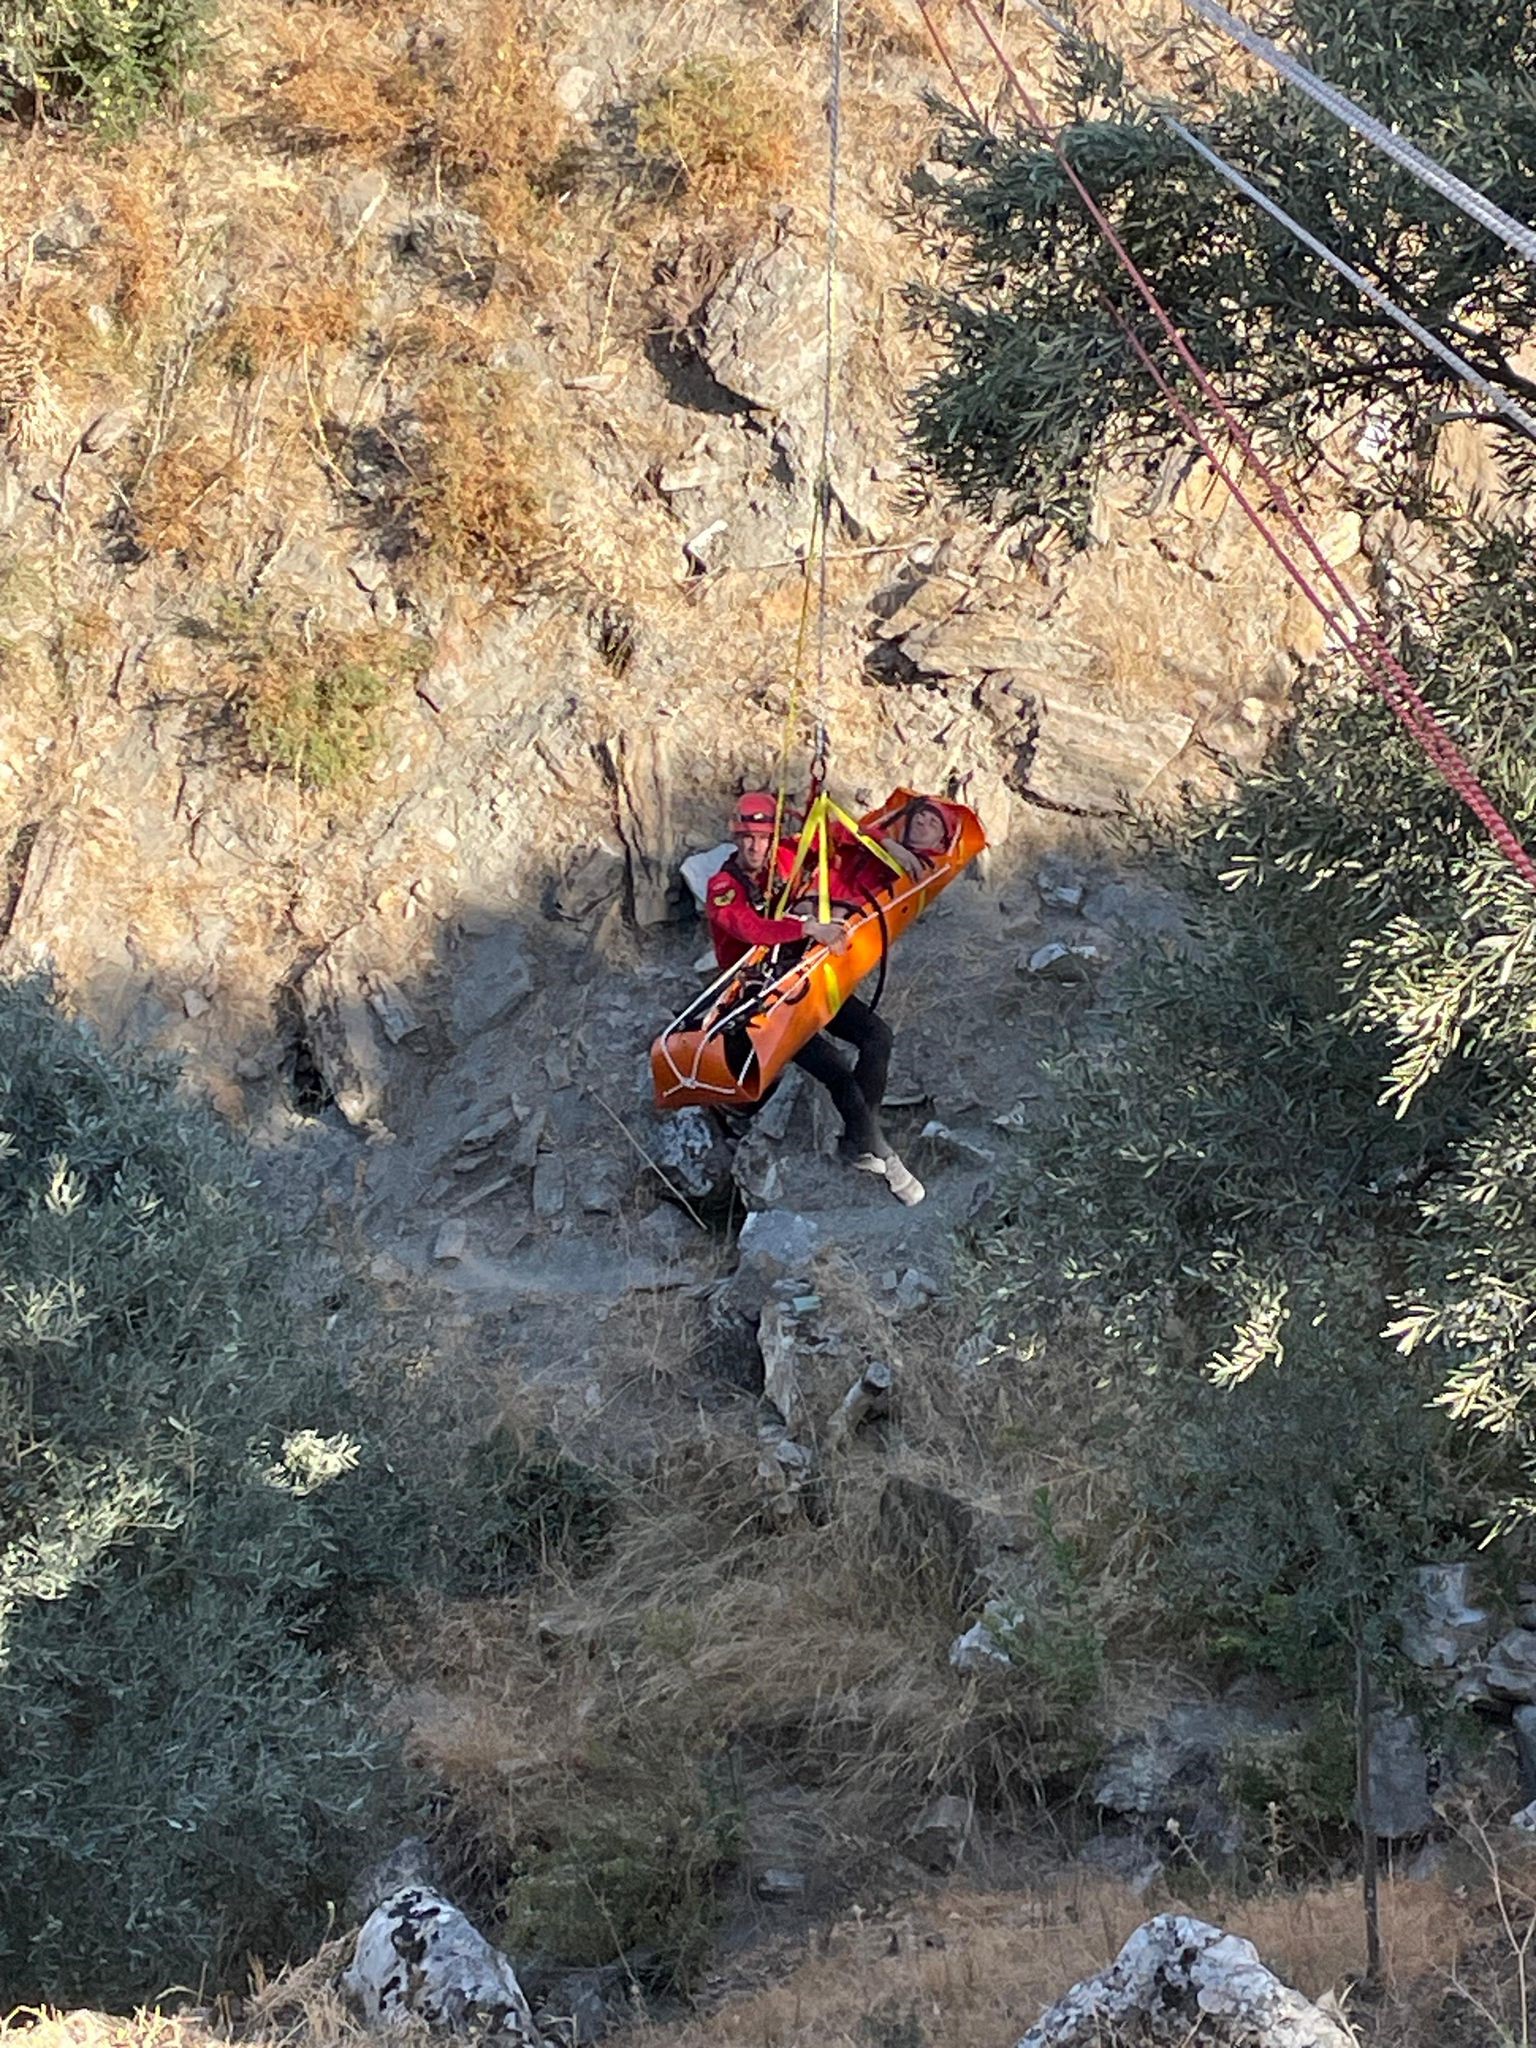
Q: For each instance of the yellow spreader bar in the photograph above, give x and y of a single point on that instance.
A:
(822, 814)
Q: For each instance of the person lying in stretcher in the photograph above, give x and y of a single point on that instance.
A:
(916, 834)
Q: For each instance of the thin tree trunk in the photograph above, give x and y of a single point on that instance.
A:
(1368, 1889)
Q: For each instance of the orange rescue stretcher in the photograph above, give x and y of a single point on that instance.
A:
(728, 1048)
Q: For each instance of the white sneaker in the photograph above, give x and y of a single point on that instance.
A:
(867, 1162)
(903, 1182)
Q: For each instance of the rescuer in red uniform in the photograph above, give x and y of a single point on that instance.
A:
(736, 910)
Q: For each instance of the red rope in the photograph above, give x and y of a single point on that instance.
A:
(1382, 668)
(949, 63)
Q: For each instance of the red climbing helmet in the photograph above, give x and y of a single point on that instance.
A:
(755, 808)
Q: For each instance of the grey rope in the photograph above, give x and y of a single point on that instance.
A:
(1516, 233)
(1510, 407)
(829, 369)
(1506, 405)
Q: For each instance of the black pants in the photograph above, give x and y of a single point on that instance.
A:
(858, 1091)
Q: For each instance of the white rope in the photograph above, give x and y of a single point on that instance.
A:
(829, 367)
(1516, 233)
(1421, 334)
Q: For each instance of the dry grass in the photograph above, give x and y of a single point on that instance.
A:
(489, 109)
(471, 106)
(28, 407)
(179, 500)
(710, 1622)
(974, 1970)
(335, 84)
(310, 317)
(140, 242)
(959, 1968)
(479, 499)
(723, 133)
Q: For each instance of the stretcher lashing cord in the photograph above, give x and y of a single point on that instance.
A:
(1382, 669)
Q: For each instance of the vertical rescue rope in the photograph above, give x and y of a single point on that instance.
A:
(821, 510)
(828, 380)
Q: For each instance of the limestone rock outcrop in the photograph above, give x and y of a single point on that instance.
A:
(418, 1957)
(1181, 1980)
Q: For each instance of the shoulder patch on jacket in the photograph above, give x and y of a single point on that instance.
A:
(722, 893)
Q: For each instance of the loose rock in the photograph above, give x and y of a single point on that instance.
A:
(937, 1837)
(548, 1185)
(1441, 1627)
(1177, 1979)
(693, 1162)
(1058, 962)
(1399, 1778)
(393, 1010)
(339, 1031)
(1511, 1669)
(978, 1650)
(417, 1956)
(1174, 1768)
(451, 1242)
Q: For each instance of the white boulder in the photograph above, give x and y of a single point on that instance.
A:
(417, 1957)
(1178, 1980)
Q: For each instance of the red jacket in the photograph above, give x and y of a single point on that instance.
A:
(737, 921)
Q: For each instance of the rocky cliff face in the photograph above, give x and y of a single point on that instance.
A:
(218, 476)
(408, 478)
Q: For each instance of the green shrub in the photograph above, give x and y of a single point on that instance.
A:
(108, 60)
(183, 1779)
(1299, 1791)
(1053, 1641)
(633, 1874)
(1287, 1208)
(418, 1512)
(320, 720)
(524, 1506)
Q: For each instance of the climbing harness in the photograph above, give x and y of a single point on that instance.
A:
(1366, 647)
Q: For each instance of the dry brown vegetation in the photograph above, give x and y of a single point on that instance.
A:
(308, 318)
(26, 401)
(713, 1627)
(479, 498)
(723, 133)
(139, 241)
(973, 1971)
(966, 1969)
(178, 498)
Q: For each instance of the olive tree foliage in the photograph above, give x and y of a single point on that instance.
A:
(1036, 388)
(183, 1778)
(104, 61)
(1289, 1202)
